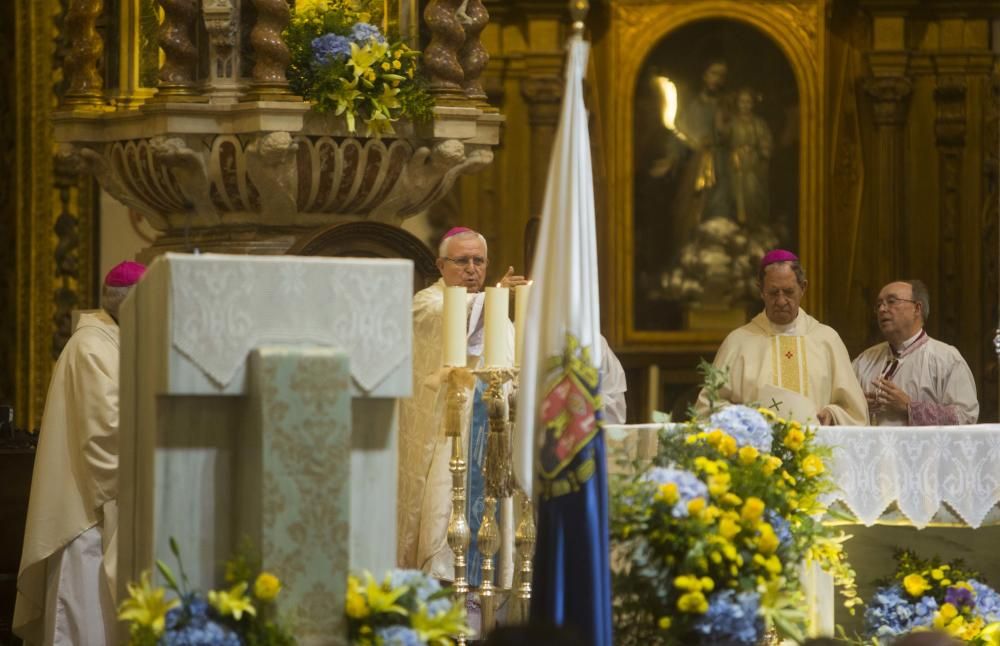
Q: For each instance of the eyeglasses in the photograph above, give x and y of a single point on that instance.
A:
(465, 261)
(891, 302)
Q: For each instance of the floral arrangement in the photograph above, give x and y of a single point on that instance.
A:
(719, 263)
(343, 62)
(242, 615)
(406, 608)
(708, 542)
(931, 595)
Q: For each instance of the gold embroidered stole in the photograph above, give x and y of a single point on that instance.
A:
(788, 364)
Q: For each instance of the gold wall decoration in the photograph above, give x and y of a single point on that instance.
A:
(53, 219)
(635, 29)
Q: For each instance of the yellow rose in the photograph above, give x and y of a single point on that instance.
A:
(916, 585)
(266, 587)
(693, 602)
(696, 505)
(794, 439)
(396, 65)
(728, 446)
(812, 466)
(752, 510)
(732, 499)
(748, 454)
(386, 66)
(668, 493)
(771, 464)
(715, 437)
(767, 542)
(718, 484)
(728, 528)
(937, 574)
(767, 413)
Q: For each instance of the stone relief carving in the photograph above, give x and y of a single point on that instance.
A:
(190, 174)
(272, 167)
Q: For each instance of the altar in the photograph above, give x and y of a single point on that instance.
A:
(258, 402)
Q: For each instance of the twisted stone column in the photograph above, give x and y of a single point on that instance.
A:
(180, 51)
(441, 54)
(473, 55)
(270, 51)
(84, 82)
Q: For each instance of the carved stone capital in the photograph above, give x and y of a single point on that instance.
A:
(889, 95)
(543, 94)
(220, 23)
(271, 167)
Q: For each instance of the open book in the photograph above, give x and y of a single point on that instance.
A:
(787, 404)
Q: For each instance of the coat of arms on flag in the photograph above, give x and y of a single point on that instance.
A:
(569, 414)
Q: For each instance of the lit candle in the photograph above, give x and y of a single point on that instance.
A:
(497, 352)
(521, 293)
(455, 327)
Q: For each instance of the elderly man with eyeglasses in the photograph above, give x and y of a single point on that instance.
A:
(424, 501)
(912, 379)
(785, 359)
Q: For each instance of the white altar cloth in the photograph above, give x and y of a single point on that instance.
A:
(926, 471)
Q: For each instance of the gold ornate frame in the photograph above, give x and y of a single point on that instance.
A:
(636, 27)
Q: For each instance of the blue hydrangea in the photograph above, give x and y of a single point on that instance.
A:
(732, 618)
(987, 601)
(329, 48)
(781, 527)
(362, 32)
(209, 633)
(689, 486)
(747, 426)
(194, 612)
(397, 636)
(424, 587)
(890, 613)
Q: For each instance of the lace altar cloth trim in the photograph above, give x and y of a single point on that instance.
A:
(921, 469)
(224, 306)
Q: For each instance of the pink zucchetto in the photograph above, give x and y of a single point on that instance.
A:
(125, 274)
(777, 255)
(454, 231)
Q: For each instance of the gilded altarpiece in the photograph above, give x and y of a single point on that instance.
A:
(48, 211)
(638, 40)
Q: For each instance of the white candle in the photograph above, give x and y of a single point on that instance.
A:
(521, 293)
(497, 353)
(455, 327)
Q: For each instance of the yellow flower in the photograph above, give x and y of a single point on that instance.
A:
(711, 513)
(767, 542)
(688, 583)
(787, 477)
(718, 484)
(728, 446)
(715, 437)
(266, 587)
(693, 602)
(396, 65)
(748, 454)
(771, 464)
(146, 605)
(728, 528)
(767, 413)
(397, 54)
(668, 493)
(916, 585)
(386, 66)
(937, 574)
(794, 439)
(664, 623)
(357, 606)
(696, 505)
(812, 466)
(233, 602)
(705, 465)
(732, 499)
(752, 510)
(707, 584)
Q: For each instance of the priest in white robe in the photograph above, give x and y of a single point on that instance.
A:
(66, 581)
(786, 359)
(424, 501)
(613, 385)
(910, 378)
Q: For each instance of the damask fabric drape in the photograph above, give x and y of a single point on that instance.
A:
(813, 362)
(424, 501)
(933, 374)
(75, 482)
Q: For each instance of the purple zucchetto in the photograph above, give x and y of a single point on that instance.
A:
(454, 231)
(777, 255)
(125, 274)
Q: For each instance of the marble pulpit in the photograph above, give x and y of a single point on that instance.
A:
(258, 401)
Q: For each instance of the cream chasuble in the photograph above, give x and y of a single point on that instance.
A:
(804, 358)
(424, 502)
(932, 373)
(75, 483)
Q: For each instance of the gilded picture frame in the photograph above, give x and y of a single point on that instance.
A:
(636, 30)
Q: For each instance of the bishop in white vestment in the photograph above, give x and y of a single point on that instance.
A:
(786, 359)
(910, 378)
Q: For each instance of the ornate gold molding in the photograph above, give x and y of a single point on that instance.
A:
(636, 28)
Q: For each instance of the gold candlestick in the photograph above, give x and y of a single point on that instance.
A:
(498, 478)
(524, 541)
(459, 380)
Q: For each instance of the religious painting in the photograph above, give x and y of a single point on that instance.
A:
(716, 173)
